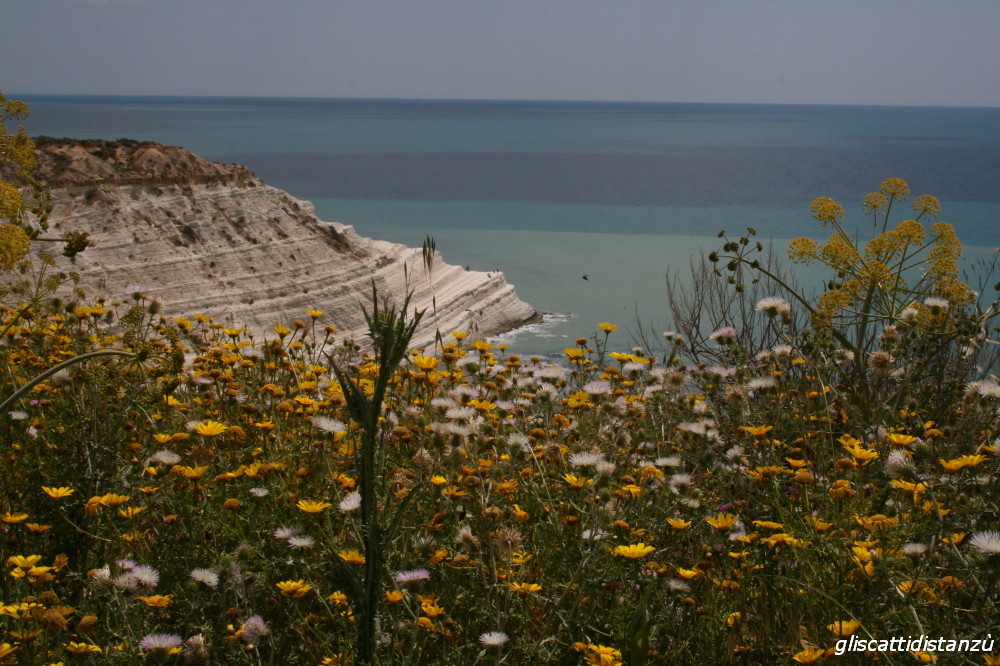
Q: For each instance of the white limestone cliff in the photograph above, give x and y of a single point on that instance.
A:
(213, 239)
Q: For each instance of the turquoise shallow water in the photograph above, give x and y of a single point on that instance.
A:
(548, 192)
(625, 272)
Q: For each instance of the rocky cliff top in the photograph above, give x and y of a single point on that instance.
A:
(90, 162)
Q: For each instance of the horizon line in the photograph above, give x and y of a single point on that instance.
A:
(487, 100)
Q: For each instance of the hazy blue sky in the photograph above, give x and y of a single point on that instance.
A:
(937, 52)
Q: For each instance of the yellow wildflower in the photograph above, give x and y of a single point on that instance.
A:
(818, 524)
(431, 610)
(895, 187)
(312, 506)
(961, 462)
(809, 655)
(843, 628)
(575, 481)
(295, 589)
(629, 491)
(634, 551)
(190, 473)
(678, 523)
(722, 521)
(757, 431)
(900, 439)
(877, 522)
(927, 204)
(23, 562)
(825, 210)
(803, 250)
(156, 600)
(351, 557)
(14, 245)
(860, 454)
(841, 489)
(915, 488)
(524, 588)
(425, 363)
(602, 655)
(210, 428)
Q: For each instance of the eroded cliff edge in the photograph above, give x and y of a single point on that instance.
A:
(213, 239)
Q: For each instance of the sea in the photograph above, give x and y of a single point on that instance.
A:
(586, 207)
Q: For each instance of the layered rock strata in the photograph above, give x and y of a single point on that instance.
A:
(213, 239)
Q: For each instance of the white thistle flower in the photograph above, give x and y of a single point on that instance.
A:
(773, 306)
(936, 304)
(351, 502)
(301, 541)
(898, 464)
(585, 459)
(460, 413)
(327, 424)
(987, 543)
(412, 576)
(597, 387)
(206, 577)
(164, 642)
(146, 575)
(287, 532)
(165, 457)
(253, 629)
(724, 336)
(493, 638)
(605, 468)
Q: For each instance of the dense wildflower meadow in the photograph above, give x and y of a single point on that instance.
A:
(823, 471)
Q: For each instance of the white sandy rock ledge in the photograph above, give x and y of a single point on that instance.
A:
(212, 239)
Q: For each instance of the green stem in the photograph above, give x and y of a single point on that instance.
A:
(859, 356)
(794, 294)
(18, 394)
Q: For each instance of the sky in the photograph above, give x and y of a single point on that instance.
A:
(896, 52)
